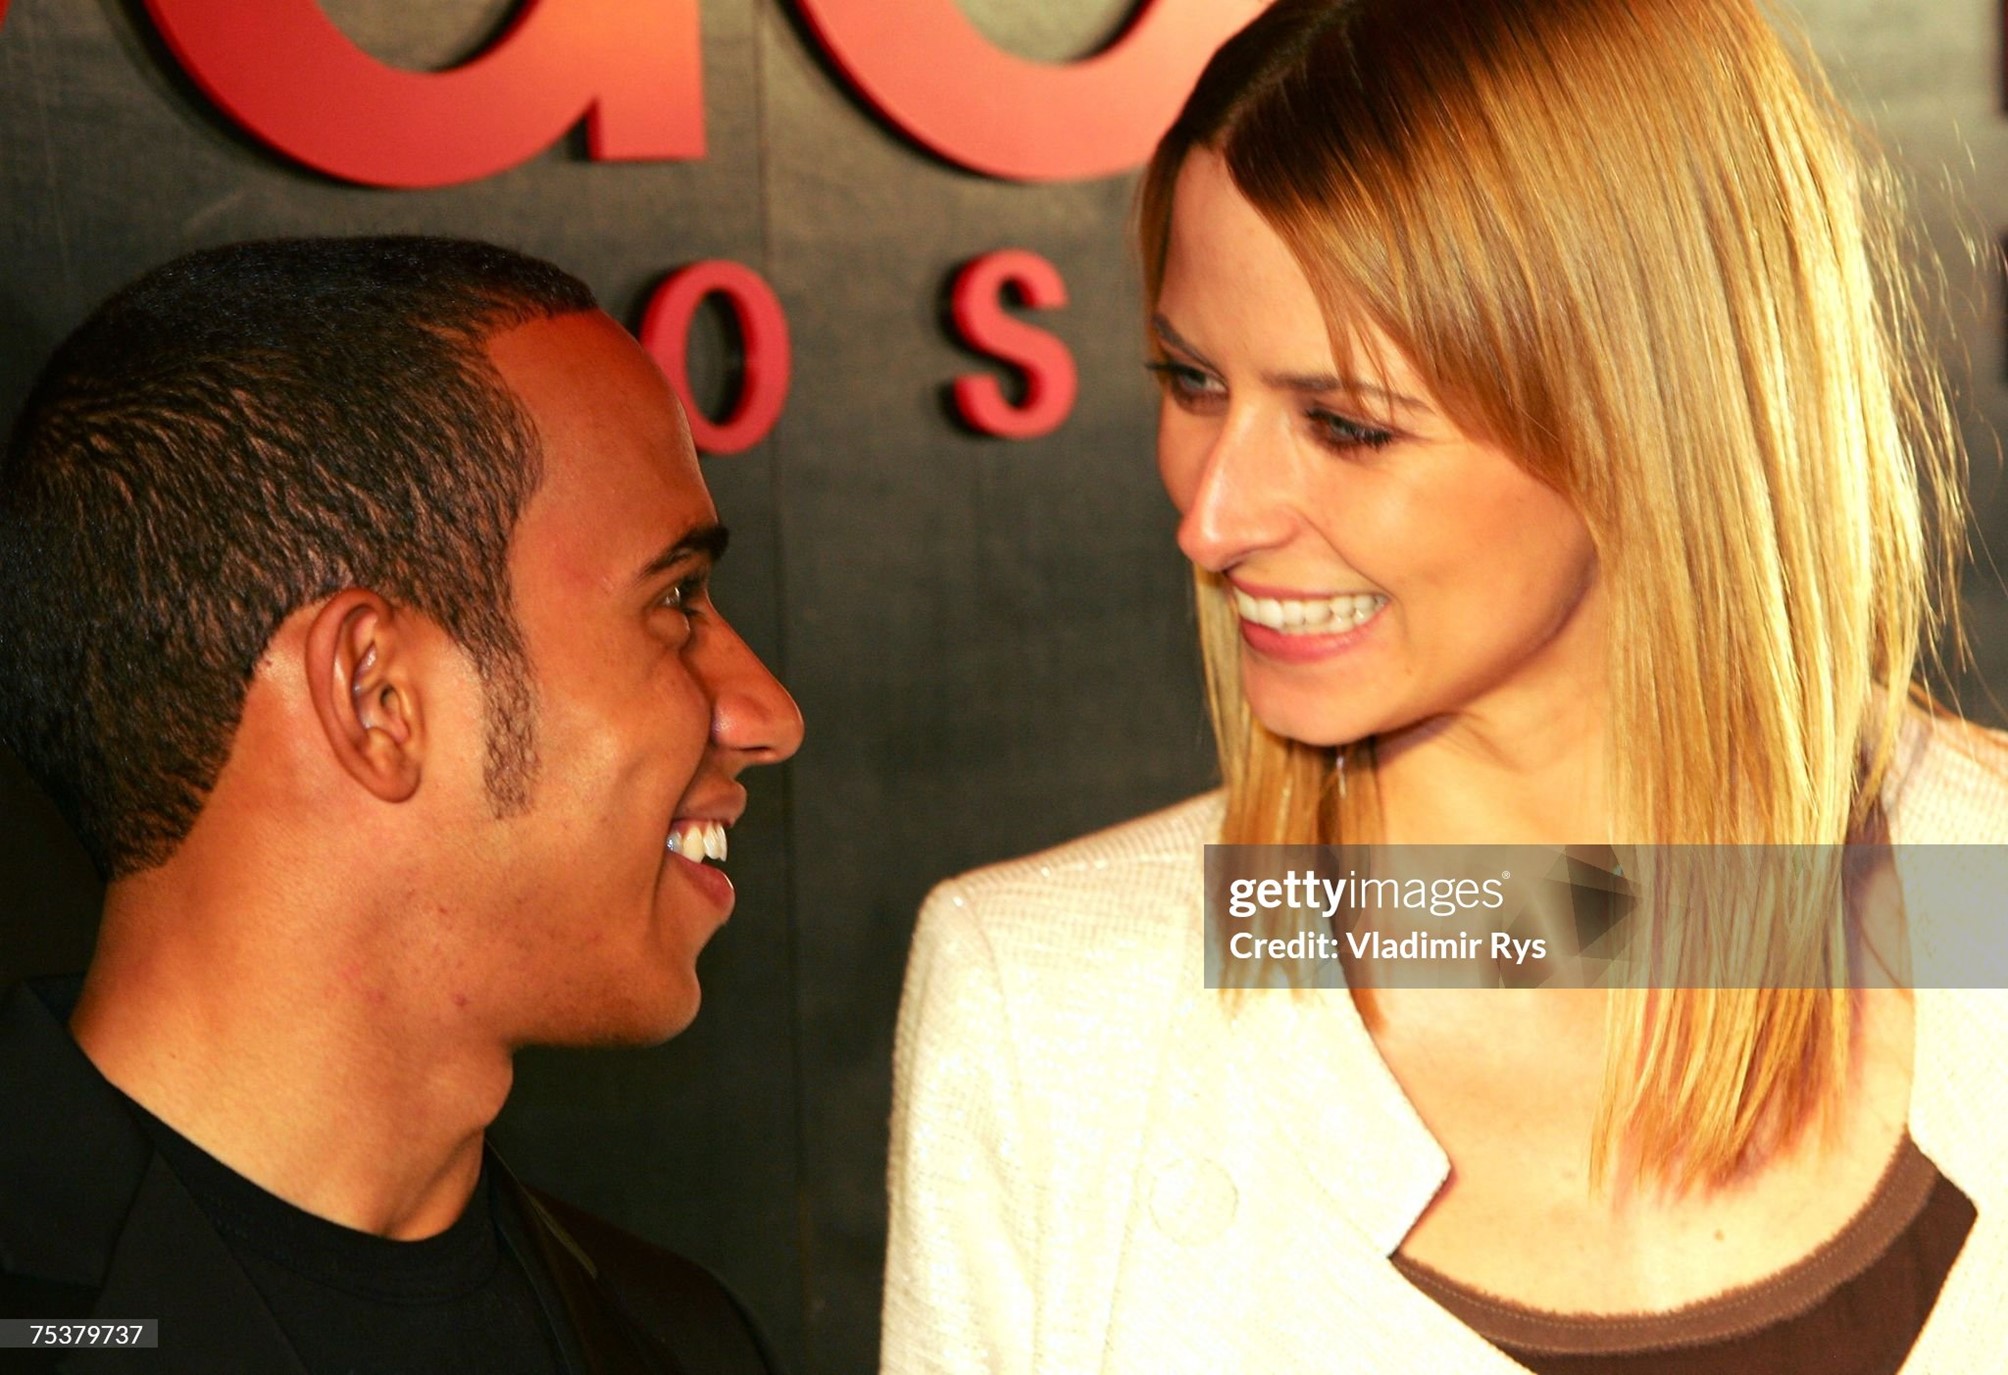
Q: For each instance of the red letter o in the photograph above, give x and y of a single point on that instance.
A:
(1051, 382)
(766, 359)
(933, 73)
(282, 69)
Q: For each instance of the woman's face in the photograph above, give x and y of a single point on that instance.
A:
(1388, 568)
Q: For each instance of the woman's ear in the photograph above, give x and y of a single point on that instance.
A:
(360, 672)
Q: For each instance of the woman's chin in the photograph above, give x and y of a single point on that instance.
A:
(1310, 719)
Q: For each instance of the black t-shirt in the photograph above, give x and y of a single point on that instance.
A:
(469, 1301)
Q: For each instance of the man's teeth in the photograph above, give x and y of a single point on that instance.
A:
(1321, 616)
(698, 840)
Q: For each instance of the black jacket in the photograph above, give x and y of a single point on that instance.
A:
(94, 1223)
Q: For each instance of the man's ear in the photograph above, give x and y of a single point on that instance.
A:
(360, 671)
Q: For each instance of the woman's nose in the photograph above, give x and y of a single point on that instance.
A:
(1243, 499)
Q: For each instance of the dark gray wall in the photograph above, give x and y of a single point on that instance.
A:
(990, 640)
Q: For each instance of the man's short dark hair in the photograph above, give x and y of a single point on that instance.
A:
(240, 433)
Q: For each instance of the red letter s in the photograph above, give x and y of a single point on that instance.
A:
(981, 322)
(630, 68)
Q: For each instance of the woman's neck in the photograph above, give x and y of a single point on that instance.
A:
(1532, 771)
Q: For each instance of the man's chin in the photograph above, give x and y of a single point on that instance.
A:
(671, 1024)
(671, 1018)
(629, 1021)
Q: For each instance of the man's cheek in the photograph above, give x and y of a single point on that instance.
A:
(683, 711)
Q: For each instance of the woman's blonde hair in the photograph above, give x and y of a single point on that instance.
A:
(1641, 248)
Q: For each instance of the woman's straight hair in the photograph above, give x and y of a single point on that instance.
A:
(1638, 245)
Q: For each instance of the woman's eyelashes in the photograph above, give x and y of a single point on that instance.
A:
(1194, 388)
(1185, 384)
(1334, 431)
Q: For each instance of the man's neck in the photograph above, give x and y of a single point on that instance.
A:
(291, 1058)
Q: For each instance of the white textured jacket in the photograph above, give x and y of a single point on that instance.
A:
(1094, 1169)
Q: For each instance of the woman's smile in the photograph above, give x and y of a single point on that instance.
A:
(1299, 627)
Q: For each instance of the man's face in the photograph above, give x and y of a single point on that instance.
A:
(648, 706)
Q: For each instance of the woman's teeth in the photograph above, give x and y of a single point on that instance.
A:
(698, 840)
(1322, 616)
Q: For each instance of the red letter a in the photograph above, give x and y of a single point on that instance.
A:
(630, 68)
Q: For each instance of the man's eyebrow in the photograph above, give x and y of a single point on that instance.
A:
(1315, 383)
(706, 541)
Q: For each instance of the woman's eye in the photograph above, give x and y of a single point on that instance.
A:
(1183, 383)
(1336, 432)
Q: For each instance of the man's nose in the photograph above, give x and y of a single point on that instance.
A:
(752, 715)
(1243, 501)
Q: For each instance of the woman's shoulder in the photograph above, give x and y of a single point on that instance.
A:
(1104, 897)
(1949, 785)
(1948, 806)
(1169, 838)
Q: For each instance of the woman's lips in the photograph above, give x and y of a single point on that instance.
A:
(1294, 628)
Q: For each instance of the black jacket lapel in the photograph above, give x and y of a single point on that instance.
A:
(59, 1223)
(119, 1237)
(609, 1340)
(170, 1264)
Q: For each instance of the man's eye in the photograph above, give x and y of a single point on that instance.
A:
(1182, 382)
(686, 596)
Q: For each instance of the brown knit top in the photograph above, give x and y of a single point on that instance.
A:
(1853, 1307)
